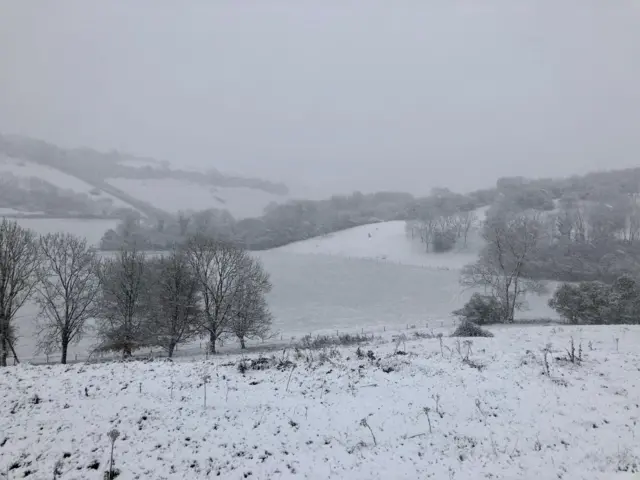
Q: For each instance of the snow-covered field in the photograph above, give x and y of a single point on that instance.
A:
(91, 229)
(174, 195)
(384, 241)
(24, 169)
(425, 413)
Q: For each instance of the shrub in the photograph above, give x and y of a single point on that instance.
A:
(470, 329)
(444, 241)
(481, 310)
(587, 302)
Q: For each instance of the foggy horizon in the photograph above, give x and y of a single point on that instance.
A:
(333, 98)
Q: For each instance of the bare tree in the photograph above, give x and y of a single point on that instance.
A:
(512, 240)
(121, 307)
(183, 222)
(427, 229)
(173, 301)
(634, 223)
(251, 315)
(219, 267)
(467, 221)
(67, 290)
(19, 258)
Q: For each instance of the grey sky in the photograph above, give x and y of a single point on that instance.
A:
(340, 95)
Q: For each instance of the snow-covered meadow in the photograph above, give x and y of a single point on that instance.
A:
(25, 169)
(409, 409)
(173, 195)
(387, 242)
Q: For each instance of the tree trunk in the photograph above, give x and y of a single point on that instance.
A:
(212, 342)
(65, 346)
(126, 351)
(170, 350)
(4, 351)
(15, 355)
(242, 344)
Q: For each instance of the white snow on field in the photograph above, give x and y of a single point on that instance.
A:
(174, 195)
(141, 163)
(13, 211)
(423, 414)
(385, 241)
(26, 169)
(91, 229)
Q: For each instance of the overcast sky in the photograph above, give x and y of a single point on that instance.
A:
(340, 95)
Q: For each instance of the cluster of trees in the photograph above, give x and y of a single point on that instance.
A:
(598, 302)
(442, 220)
(596, 239)
(512, 240)
(204, 287)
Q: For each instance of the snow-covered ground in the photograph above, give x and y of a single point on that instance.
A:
(25, 169)
(384, 241)
(388, 241)
(91, 229)
(425, 413)
(173, 195)
(13, 211)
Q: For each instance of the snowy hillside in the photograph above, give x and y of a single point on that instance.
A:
(407, 410)
(173, 195)
(23, 170)
(386, 241)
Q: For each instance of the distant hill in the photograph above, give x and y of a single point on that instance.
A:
(41, 178)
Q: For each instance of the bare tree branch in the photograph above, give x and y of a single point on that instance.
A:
(501, 269)
(122, 311)
(19, 258)
(219, 268)
(67, 291)
(173, 313)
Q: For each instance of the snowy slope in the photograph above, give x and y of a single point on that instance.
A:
(173, 195)
(24, 169)
(91, 229)
(423, 414)
(384, 241)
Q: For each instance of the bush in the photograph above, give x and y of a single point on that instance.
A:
(470, 329)
(481, 310)
(598, 303)
(444, 241)
(586, 302)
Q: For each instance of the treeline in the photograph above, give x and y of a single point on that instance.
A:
(281, 223)
(589, 227)
(588, 240)
(442, 220)
(203, 288)
(594, 240)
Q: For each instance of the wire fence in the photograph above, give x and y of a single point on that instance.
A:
(227, 346)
